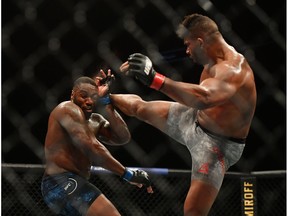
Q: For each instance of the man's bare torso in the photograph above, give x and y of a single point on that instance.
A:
(232, 118)
(61, 153)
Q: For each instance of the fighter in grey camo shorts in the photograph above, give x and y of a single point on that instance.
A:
(211, 154)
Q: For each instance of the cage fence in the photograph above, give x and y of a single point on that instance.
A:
(258, 193)
(47, 44)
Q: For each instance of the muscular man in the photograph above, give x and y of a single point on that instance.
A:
(212, 118)
(73, 144)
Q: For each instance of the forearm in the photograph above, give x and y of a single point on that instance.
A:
(100, 156)
(93, 149)
(106, 160)
(186, 93)
(140, 67)
(117, 125)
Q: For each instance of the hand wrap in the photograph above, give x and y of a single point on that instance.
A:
(107, 80)
(105, 100)
(137, 176)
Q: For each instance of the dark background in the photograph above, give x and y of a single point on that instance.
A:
(46, 44)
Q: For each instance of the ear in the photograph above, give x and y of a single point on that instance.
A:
(201, 42)
(72, 95)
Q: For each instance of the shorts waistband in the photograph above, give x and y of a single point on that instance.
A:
(233, 139)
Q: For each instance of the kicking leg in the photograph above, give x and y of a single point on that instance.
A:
(154, 113)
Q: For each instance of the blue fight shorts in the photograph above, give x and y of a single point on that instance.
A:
(68, 194)
(211, 154)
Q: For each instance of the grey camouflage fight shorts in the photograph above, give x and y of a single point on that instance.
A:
(211, 154)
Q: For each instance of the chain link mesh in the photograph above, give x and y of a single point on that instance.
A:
(21, 193)
(47, 44)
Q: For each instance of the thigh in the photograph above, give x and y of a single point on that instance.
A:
(69, 194)
(102, 207)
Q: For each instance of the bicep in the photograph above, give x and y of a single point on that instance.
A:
(73, 122)
(217, 91)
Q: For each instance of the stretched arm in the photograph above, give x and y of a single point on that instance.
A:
(211, 92)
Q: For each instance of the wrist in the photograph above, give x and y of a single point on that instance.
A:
(128, 174)
(158, 81)
(105, 100)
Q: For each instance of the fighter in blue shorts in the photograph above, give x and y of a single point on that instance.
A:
(216, 114)
(74, 143)
(68, 194)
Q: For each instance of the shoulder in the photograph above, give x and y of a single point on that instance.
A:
(233, 68)
(66, 108)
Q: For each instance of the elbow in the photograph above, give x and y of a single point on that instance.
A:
(123, 139)
(119, 140)
(202, 106)
(98, 155)
(207, 104)
(126, 139)
(198, 104)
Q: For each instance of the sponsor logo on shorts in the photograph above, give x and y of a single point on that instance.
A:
(71, 186)
(220, 157)
(204, 169)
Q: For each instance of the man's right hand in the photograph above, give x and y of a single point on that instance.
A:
(137, 177)
(140, 67)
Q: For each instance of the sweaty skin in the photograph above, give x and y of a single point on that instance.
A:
(226, 95)
(73, 141)
(225, 98)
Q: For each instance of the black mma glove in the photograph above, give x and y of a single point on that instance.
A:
(136, 176)
(106, 81)
(140, 67)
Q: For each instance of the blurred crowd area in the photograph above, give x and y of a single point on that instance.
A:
(48, 44)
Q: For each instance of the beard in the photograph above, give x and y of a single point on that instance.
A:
(198, 57)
